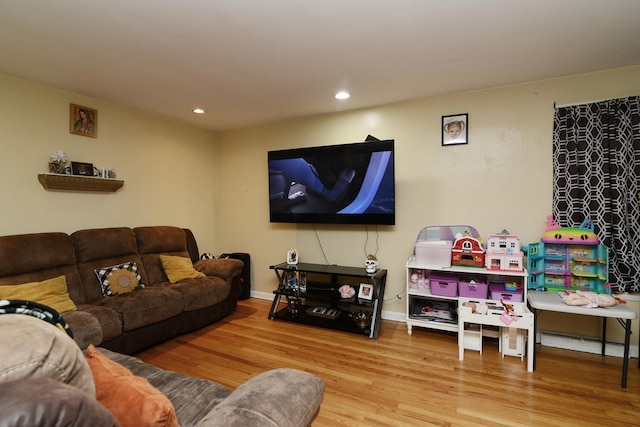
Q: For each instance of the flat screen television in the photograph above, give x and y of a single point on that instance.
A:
(335, 184)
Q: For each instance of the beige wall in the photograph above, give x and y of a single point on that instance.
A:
(501, 179)
(217, 184)
(168, 168)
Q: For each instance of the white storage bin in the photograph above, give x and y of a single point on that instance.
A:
(433, 253)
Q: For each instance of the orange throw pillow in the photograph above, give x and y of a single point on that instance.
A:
(131, 399)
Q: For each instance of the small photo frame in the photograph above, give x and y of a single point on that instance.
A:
(365, 292)
(83, 121)
(83, 169)
(292, 257)
(455, 129)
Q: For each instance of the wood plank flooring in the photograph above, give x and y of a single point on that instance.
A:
(402, 380)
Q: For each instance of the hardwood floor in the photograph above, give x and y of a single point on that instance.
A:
(402, 380)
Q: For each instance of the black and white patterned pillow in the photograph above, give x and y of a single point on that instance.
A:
(119, 279)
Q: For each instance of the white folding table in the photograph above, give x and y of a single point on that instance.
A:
(551, 301)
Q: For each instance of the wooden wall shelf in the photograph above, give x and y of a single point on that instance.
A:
(52, 181)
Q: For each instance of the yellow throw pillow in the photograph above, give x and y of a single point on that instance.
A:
(178, 268)
(51, 292)
(131, 399)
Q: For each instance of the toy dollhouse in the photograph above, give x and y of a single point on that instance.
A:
(504, 253)
(467, 251)
(569, 258)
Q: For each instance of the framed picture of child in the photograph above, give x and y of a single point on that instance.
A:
(365, 292)
(455, 129)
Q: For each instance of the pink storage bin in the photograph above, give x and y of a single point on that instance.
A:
(498, 291)
(478, 289)
(443, 285)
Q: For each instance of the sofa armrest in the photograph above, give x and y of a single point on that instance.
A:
(226, 269)
(278, 398)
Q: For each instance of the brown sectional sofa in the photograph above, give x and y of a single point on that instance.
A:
(130, 322)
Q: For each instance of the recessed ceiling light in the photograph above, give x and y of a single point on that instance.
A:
(342, 95)
(199, 110)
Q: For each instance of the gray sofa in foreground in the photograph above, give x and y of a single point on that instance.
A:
(45, 380)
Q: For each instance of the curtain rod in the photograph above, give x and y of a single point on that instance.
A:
(580, 103)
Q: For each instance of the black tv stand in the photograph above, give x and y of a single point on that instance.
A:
(310, 295)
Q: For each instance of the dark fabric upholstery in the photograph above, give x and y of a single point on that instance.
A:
(132, 342)
(200, 293)
(104, 247)
(139, 319)
(109, 320)
(37, 257)
(156, 241)
(145, 306)
(86, 328)
(192, 245)
(196, 319)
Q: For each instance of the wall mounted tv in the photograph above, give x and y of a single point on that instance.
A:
(335, 184)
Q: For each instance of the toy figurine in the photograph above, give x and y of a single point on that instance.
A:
(371, 264)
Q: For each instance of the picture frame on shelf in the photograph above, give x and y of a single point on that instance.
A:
(292, 257)
(455, 129)
(82, 169)
(365, 292)
(83, 121)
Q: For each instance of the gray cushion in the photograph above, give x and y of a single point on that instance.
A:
(277, 398)
(50, 403)
(40, 350)
(192, 397)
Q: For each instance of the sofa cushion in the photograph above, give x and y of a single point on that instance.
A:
(146, 306)
(201, 293)
(156, 241)
(259, 401)
(192, 397)
(87, 329)
(100, 247)
(108, 319)
(179, 268)
(131, 399)
(119, 279)
(40, 350)
(40, 256)
(50, 403)
(50, 292)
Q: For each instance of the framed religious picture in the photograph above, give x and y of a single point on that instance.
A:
(83, 121)
(455, 129)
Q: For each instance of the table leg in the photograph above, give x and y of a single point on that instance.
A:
(625, 360)
(535, 336)
(274, 306)
(604, 334)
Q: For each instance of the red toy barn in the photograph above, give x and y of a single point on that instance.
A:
(467, 251)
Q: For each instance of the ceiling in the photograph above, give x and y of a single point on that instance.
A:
(256, 61)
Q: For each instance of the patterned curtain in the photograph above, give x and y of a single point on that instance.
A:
(596, 175)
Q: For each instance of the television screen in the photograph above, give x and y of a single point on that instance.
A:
(336, 184)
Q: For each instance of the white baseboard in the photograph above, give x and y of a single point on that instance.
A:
(546, 338)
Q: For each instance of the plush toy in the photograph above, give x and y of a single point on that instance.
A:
(480, 308)
(587, 299)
